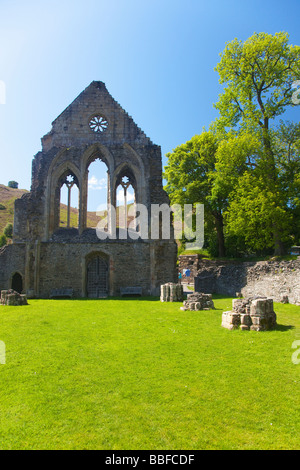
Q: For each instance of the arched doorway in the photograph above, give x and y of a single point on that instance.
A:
(97, 277)
(17, 283)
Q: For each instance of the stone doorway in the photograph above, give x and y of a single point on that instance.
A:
(97, 277)
(17, 283)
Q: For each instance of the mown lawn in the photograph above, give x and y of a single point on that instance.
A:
(140, 374)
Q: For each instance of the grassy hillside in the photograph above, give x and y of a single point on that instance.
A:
(7, 200)
(92, 218)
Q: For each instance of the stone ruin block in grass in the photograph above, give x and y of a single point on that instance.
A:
(171, 292)
(11, 297)
(198, 301)
(250, 314)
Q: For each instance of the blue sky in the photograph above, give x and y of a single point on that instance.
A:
(156, 58)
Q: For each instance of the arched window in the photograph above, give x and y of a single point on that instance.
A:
(98, 191)
(69, 200)
(125, 199)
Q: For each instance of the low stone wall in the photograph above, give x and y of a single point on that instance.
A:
(264, 278)
(11, 297)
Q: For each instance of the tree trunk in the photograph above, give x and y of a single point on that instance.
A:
(272, 182)
(219, 223)
(278, 245)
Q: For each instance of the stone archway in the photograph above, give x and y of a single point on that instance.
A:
(17, 283)
(97, 277)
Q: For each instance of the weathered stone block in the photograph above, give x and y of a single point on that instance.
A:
(258, 307)
(255, 314)
(11, 297)
(198, 301)
(245, 319)
(245, 327)
(171, 292)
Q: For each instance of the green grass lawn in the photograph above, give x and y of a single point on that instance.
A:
(140, 374)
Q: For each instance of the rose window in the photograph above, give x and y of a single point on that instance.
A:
(98, 124)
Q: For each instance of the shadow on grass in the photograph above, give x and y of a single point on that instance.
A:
(284, 327)
(128, 297)
(222, 296)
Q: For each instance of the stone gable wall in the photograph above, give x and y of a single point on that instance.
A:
(71, 127)
(51, 257)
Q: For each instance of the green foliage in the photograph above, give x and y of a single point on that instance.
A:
(189, 175)
(248, 178)
(255, 212)
(3, 240)
(188, 169)
(237, 153)
(8, 231)
(258, 74)
(202, 252)
(208, 169)
(2, 207)
(13, 184)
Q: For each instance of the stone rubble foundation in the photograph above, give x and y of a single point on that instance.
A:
(198, 301)
(250, 314)
(11, 297)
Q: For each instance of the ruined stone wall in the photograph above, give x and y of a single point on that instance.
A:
(130, 265)
(50, 257)
(274, 280)
(264, 278)
(12, 260)
(70, 128)
(190, 262)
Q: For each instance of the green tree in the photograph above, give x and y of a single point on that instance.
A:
(259, 75)
(253, 208)
(188, 174)
(286, 142)
(252, 212)
(237, 153)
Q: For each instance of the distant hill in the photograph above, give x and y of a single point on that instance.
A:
(92, 218)
(7, 200)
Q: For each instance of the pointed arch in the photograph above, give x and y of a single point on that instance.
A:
(16, 282)
(92, 153)
(56, 181)
(96, 274)
(95, 151)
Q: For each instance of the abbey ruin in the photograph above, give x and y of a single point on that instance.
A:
(45, 257)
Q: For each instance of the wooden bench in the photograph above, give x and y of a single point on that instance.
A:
(131, 291)
(61, 293)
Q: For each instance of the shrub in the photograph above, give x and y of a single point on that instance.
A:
(8, 231)
(3, 240)
(13, 184)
